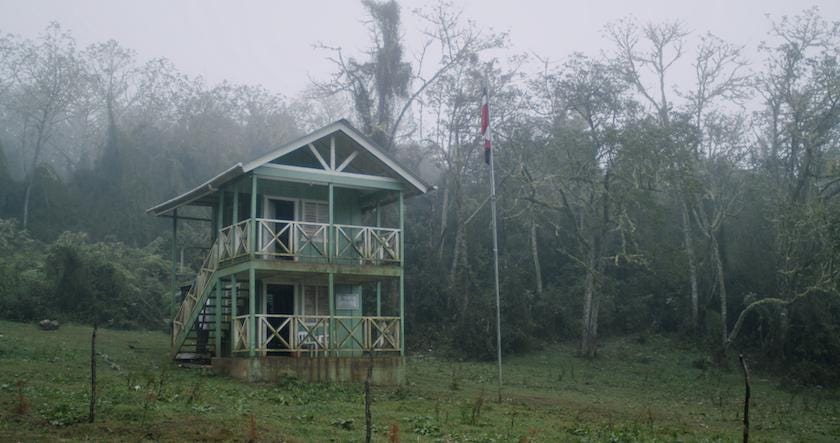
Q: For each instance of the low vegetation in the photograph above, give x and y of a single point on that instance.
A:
(654, 389)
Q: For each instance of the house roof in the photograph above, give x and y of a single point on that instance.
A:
(193, 196)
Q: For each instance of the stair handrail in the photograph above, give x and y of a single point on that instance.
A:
(202, 279)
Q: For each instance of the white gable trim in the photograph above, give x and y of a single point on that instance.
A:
(351, 132)
(344, 126)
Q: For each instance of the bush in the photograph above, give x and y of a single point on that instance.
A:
(73, 279)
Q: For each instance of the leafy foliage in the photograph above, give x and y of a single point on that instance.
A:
(623, 208)
(74, 279)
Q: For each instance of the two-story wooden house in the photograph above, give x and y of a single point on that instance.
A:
(304, 277)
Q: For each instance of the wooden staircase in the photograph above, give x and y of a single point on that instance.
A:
(194, 325)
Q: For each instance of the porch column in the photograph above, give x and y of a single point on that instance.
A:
(220, 212)
(234, 219)
(174, 263)
(331, 295)
(252, 234)
(220, 216)
(252, 308)
(332, 238)
(402, 275)
(378, 282)
(218, 325)
(234, 295)
(333, 246)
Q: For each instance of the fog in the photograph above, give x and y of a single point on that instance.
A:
(271, 42)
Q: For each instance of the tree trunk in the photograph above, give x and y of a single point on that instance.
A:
(746, 398)
(458, 266)
(444, 211)
(26, 196)
(92, 412)
(587, 344)
(459, 258)
(721, 288)
(536, 256)
(692, 265)
(30, 181)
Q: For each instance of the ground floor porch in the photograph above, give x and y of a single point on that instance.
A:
(260, 312)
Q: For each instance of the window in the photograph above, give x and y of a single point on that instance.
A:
(316, 300)
(314, 212)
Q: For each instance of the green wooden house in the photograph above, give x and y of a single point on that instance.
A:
(305, 273)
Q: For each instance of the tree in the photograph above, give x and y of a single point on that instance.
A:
(113, 75)
(375, 85)
(46, 85)
(582, 150)
(647, 55)
(798, 145)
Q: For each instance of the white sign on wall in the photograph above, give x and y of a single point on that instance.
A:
(349, 302)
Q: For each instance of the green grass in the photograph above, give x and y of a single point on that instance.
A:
(632, 392)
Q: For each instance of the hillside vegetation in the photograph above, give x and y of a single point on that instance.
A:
(637, 390)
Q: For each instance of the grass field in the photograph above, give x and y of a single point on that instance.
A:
(634, 391)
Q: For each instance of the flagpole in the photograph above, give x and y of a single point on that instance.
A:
(495, 253)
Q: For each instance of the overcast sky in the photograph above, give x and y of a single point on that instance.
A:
(271, 42)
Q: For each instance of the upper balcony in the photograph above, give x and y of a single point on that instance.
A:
(307, 242)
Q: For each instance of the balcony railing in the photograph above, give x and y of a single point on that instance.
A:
(315, 242)
(233, 240)
(311, 334)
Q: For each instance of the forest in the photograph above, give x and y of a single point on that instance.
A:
(670, 185)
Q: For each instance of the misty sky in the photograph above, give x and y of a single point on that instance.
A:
(271, 42)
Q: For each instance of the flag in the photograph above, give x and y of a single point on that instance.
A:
(485, 126)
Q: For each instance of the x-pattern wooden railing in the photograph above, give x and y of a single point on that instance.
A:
(287, 238)
(310, 333)
(233, 240)
(368, 243)
(384, 333)
(292, 238)
(240, 333)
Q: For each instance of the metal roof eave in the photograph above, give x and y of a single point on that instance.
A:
(198, 192)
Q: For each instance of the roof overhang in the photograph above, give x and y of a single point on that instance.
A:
(415, 185)
(198, 192)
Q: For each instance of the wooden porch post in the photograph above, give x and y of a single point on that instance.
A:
(218, 325)
(378, 283)
(234, 296)
(216, 226)
(174, 263)
(220, 216)
(402, 275)
(331, 295)
(252, 308)
(234, 219)
(331, 276)
(252, 274)
(252, 234)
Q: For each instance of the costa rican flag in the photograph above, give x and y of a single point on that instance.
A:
(485, 126)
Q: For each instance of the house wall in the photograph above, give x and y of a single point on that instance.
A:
(386, 370)
(346, 209)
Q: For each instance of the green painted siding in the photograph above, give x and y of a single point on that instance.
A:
(347, 208)
(292, 190)
(348, 211)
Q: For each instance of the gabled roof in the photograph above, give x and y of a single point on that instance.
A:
(415, 184)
